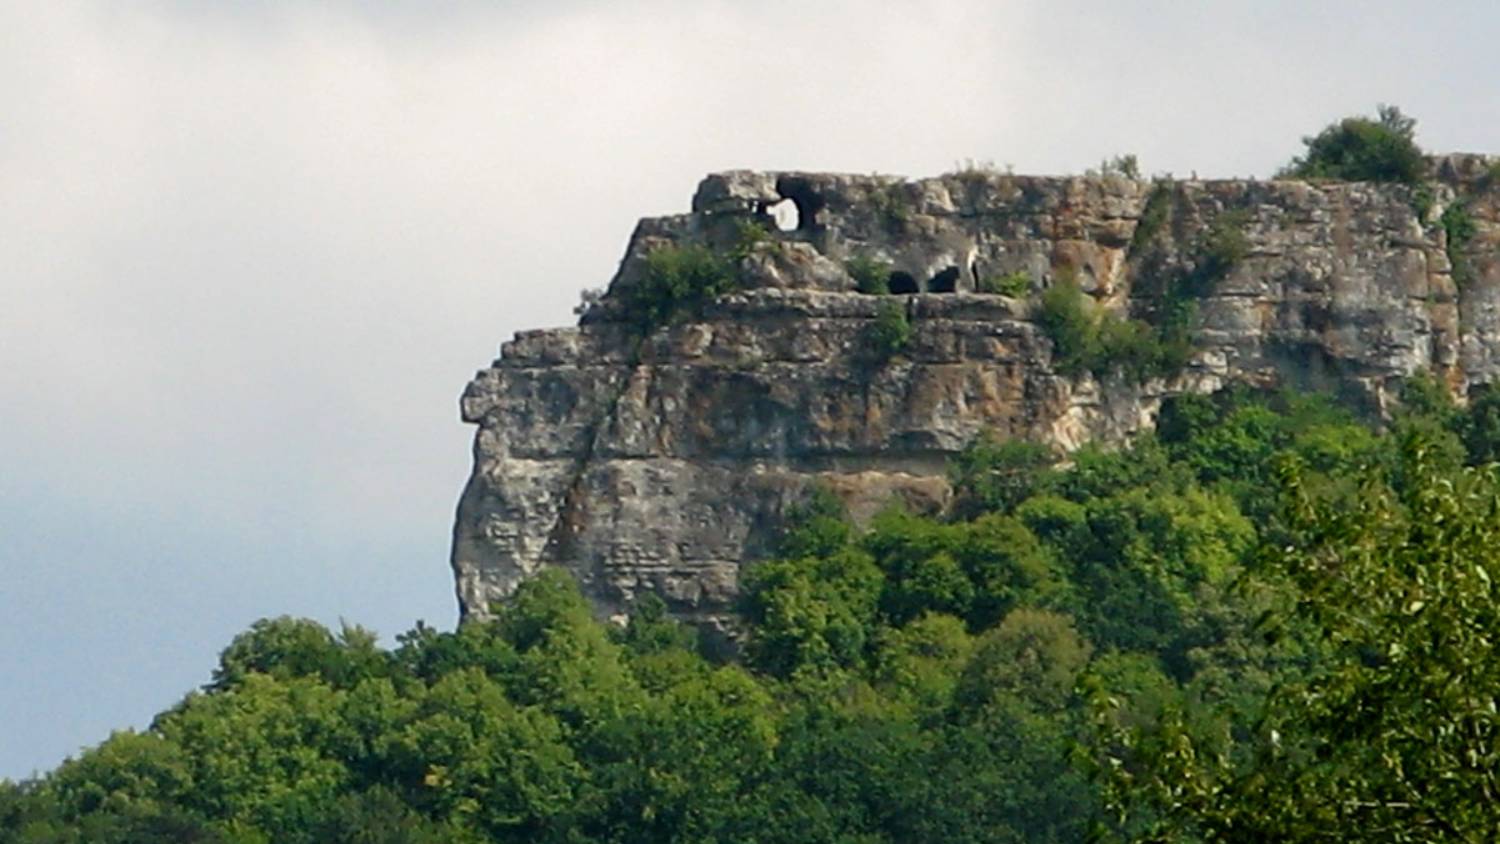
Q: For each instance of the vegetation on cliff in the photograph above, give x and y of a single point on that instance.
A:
(1364, 150)
(1266, 622)
(677, 281)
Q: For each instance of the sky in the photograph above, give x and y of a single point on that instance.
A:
(251, 252)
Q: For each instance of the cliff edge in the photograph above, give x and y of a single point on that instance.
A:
(662, 455)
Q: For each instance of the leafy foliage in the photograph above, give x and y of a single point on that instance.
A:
(1459, 228)
(996, 475)
(1363, 150)
(870, 275)
(1268, 622)
(1016, 285)
(1072, 322)
(751, 236)
(1223, 246)
(1423, 199)
(1158, 340)
(1087, 338)
(1154, 216)
(888, 334)
(1479, 425)
(678, 280)
(1127, 165)
(1394, 731)
(892, 204)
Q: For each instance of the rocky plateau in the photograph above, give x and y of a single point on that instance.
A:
(666, 461)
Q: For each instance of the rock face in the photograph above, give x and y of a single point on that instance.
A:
(665, 462)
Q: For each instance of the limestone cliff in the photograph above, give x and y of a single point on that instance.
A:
(665, 463)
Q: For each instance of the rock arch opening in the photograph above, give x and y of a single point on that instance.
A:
(804, 198)
(785, 215)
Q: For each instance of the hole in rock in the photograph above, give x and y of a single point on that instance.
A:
(786, 215)
(901, 282)
(944, 282)
(804, 197)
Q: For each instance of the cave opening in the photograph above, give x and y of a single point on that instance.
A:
(804, 198)
(945, 281)
(902, 282)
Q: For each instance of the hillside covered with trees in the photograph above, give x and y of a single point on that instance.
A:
(1269, 621)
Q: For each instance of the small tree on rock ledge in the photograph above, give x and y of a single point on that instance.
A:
(1359, 149)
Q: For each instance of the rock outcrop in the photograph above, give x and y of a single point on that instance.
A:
(665, 462)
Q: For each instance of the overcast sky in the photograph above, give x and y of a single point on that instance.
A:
(250, 252)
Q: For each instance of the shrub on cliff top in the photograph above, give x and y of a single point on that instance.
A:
(677, 280)
(1359, 149)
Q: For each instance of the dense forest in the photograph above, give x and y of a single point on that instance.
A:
(1269, 620)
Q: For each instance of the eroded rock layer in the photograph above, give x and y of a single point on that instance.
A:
(665, 463)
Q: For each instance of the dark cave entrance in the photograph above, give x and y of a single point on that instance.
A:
(902, 282)
(944, 282)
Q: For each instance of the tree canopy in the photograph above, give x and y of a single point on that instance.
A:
(1269, 621)
(1361, 149)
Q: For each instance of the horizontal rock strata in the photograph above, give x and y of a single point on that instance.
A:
(664, 463)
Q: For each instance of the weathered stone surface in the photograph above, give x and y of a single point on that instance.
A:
(666, 464)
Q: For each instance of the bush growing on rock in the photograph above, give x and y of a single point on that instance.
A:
(678, 279)
(1087, 338)
(1223, 246)
(1016, 285)
(889, 334)
(870, 275)
(1359, 149)
(1459, 229)
(1071, 321)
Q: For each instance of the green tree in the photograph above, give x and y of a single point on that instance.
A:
(426, 655)
(683, 766)
(1008, 567)
(919, 571)
(1071, 320)
(994, 475)
(266, 755)
(1479, 425)
(567, 663)
(470, 756)
(380, 815)
(921, 661)
(1033, 656)
(871, 275)
(1394, 733)
(651, 631)
(813, 611)
(1364, 150)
